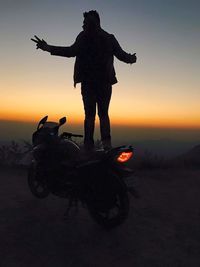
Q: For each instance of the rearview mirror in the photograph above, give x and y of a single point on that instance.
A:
(62, 121)
(42, 121)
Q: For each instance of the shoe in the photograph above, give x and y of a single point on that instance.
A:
(106, 144)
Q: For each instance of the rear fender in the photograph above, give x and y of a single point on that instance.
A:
(123, 171)
(117, 181)
(100, 175)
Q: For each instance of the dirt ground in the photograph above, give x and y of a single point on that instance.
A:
(162, 229)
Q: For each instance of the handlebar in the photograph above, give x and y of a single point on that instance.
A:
(69, 135)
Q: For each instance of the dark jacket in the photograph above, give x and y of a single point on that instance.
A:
(94, 56)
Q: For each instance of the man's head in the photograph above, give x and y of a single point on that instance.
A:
(91, 20)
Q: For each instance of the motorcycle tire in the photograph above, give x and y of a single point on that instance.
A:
(37, 186)
(116, 213)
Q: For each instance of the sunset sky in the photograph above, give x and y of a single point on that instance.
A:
(161, 90)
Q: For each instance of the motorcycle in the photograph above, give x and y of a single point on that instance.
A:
(59, 167)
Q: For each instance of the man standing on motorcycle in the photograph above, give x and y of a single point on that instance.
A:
(94, 50)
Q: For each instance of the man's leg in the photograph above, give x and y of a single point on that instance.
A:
(103, 101)
(89, 101)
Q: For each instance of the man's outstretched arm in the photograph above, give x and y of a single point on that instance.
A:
(69, 51)
(121, 54)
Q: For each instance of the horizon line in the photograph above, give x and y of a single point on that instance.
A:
(115, 124)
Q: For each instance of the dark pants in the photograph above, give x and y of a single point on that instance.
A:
(96, 94)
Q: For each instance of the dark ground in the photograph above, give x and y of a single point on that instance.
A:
(162, 228)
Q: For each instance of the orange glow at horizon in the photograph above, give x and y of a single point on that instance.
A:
(138, 110)
(142, 122)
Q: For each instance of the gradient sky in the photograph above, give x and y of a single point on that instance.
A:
(161, 90)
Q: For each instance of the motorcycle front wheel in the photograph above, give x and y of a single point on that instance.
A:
(109, 210)
(37, 185)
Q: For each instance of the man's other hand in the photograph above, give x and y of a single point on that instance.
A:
(133, 58)
(41, 44)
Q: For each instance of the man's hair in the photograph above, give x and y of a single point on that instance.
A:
(92, 14)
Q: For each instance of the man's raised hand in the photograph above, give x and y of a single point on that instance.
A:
(133, 58)
(41, 44)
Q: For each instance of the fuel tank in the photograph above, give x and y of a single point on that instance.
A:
(60, 151)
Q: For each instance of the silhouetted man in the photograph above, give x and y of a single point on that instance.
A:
(94, 50)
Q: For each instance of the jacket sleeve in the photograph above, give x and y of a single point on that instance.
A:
(62, 51)
(120, 53)
(68, 51)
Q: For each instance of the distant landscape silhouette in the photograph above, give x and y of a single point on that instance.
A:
(94, 50)
(17, 154)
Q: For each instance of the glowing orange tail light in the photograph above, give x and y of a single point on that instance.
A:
(124, 156)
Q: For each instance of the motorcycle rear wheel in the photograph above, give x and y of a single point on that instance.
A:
(37, 186)
(113, 215)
